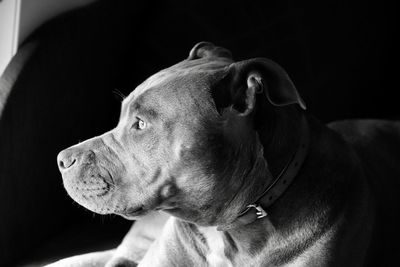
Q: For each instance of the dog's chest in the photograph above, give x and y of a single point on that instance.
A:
(215, 254)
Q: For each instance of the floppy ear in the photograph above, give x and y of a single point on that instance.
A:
(206, 49)
(250, 77)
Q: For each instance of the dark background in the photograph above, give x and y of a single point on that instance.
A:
(342, 55)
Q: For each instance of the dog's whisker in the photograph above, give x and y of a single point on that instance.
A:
(119, 94)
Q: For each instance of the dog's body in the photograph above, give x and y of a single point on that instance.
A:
(204, 139)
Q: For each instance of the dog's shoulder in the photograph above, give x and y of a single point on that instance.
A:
(377, 143)
(367, 132)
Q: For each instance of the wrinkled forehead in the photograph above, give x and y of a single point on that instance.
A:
(178, 88)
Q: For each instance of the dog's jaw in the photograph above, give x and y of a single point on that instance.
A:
(93, 194)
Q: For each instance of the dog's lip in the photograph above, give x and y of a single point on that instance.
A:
(108, 178)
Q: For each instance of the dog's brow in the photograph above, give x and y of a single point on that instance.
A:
(139, 108)
(150, 113)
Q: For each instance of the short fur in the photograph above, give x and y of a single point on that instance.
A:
(211, 145)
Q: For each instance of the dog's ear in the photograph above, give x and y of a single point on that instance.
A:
(248, 78)
(206, 49)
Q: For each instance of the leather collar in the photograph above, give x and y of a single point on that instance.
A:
(279, 185)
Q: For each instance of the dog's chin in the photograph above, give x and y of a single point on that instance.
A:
(133, 213)
(133, 217)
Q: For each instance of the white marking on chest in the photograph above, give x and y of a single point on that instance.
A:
(216, 255)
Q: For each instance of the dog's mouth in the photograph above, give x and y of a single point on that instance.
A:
(91, 187)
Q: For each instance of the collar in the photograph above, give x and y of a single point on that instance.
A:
(279, 185)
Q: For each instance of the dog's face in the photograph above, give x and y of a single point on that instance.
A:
(175, 148)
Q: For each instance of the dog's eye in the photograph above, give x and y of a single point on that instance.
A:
(139, 124)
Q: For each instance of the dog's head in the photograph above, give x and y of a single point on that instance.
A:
(185, 142)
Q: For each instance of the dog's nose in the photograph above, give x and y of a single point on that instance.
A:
(70, 157)
(66, 159)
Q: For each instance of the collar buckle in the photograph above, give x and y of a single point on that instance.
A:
(260, 212)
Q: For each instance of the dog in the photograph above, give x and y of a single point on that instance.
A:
(225, 167)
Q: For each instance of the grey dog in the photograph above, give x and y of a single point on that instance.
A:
(224, 166)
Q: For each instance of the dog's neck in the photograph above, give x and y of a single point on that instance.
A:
(265, 151)
(280, 136)
(310, 210)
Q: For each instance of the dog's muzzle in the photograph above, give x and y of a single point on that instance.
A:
(85, 180)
